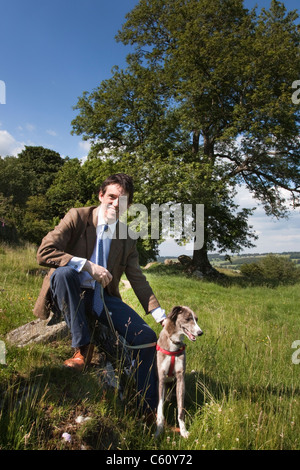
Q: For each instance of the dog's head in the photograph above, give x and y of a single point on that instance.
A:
(186, 321)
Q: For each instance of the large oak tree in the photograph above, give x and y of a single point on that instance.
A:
(204, 105)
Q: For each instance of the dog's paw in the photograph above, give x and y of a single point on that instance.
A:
(184, 433)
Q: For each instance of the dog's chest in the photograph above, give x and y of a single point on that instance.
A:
(169, 365)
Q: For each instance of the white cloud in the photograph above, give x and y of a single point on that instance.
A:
(30, 127)
(51, 132)
(274, 236)
(85, 146)
(9, 145)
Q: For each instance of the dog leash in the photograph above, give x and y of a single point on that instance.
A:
(110, 322)
(173, 354)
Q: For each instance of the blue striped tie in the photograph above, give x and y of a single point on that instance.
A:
(98, 302)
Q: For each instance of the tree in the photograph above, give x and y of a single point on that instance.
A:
(24, 181)
(13, 180)
(36, 222)
(69, 188)
(8, 231)
(40, 166)
(208, 87)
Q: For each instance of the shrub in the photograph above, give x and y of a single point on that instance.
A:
(272, 270)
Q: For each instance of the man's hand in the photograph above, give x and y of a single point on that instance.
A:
(99, 273)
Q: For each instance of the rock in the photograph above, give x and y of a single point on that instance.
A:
(111, 348)
(185, 260)
(37, 331)
(171, 261)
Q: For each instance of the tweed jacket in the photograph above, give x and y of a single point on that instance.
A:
(76, 236)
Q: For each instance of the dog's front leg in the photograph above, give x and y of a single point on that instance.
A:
(160, 409)
(180, 392)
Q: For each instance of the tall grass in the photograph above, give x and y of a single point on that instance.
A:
(242, 387)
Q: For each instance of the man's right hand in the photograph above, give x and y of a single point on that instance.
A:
(99, 273)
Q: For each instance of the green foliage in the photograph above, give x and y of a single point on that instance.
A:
(39, 166)
(36, 221)
(203, 105)
(7, 227)
(272, 270)
(69, 189)
(24, 181)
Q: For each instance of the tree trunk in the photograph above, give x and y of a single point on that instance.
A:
(201, 262)
(195, 144)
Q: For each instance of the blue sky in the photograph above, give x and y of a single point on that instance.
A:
(52, 51)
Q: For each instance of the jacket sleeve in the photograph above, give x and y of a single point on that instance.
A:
(139, 283)
(53, 251)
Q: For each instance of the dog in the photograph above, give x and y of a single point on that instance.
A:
(170, 360)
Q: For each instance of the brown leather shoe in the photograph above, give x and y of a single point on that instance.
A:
(81, 358)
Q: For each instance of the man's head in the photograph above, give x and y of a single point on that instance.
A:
(111, 190)
(123, 180)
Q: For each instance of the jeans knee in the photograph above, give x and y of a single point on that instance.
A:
(64, 275)
(149, 335)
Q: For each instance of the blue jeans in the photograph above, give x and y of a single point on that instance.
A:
(74, 303)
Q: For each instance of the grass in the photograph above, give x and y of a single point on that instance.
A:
(242, 387)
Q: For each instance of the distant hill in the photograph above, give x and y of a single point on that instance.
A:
(234, 261)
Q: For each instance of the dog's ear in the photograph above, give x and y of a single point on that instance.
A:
(174, 312)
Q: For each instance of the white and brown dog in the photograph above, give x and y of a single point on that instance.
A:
(180, 322)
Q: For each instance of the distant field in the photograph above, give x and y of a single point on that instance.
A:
(242, 381)
(235, 261)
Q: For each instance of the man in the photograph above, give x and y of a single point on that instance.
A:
(72, 287)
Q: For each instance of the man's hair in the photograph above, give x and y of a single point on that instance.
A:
(123, 180)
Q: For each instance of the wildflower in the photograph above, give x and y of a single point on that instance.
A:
(67, 437)
(218, 435)
(81, 419)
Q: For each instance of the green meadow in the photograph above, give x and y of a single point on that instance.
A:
(242, 377)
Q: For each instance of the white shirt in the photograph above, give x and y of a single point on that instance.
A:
(86, 280)
(77, 263)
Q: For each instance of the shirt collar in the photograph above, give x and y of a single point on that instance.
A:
(101, 221)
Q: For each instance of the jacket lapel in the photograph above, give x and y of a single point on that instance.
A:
(91, 232)
(115, 250)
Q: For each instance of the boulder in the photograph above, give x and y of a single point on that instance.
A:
(37, 331)
(185, 260)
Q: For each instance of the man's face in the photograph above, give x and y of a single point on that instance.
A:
(110, 204)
